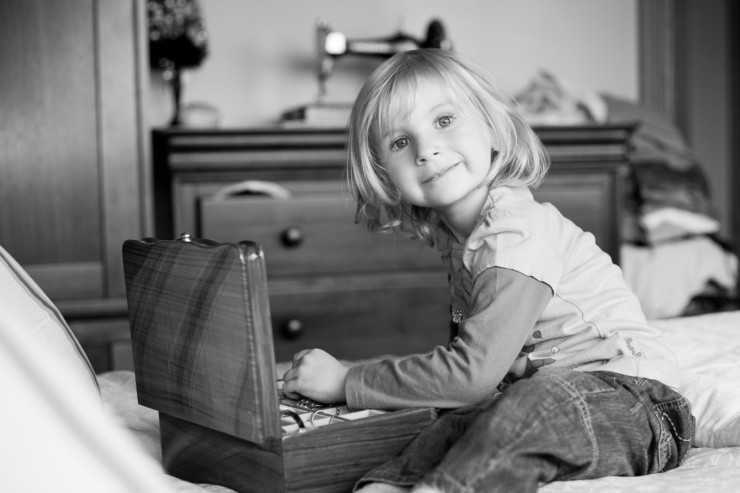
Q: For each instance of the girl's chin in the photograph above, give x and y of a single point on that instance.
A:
(459, 201)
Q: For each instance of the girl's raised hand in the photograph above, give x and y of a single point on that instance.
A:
(317, 375)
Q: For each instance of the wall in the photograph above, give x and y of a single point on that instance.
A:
(262, 54)
(704, 70)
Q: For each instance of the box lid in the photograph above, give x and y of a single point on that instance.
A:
(201, 334)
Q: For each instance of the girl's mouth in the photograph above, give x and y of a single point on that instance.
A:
(440, 174)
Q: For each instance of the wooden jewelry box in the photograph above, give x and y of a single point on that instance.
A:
(204, 358)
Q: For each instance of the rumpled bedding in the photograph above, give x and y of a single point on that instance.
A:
(706, 469)
(668, 276)
(668, 203)
(707, 347)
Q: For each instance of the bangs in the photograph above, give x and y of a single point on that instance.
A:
(395, 101)
(397, 96)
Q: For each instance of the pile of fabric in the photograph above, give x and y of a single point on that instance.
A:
(673, 256)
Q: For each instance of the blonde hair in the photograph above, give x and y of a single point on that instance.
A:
(520, 157)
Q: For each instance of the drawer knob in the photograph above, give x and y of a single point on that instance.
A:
(293, 328)
(292, 237)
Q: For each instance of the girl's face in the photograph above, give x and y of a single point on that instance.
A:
(438, 155)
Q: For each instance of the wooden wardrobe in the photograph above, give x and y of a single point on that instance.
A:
(72, 180)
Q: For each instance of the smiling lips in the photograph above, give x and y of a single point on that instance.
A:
(436, 176)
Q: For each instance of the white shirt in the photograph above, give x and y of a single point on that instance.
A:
(532, 291)
(592, 322)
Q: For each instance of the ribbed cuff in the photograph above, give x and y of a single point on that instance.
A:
(352, 385)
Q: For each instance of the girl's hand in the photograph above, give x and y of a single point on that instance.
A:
(317, 375)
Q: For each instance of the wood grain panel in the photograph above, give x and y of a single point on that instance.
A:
(333, 458)
(323, 460)
(48, 103)
(121, 158)
(68, 279)
(201, 333)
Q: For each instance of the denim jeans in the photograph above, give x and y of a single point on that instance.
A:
(556, 425)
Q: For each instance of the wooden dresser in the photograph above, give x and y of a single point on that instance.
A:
(332, 284)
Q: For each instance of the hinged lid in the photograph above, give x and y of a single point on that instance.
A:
(201, 334)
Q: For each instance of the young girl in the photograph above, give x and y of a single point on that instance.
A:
(554, 372)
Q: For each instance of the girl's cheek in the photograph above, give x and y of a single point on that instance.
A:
(393, 175)
(399, 177)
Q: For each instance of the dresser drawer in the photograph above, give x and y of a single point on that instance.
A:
(311, 235)
(360, 317)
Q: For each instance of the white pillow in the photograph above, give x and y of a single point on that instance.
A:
(715, 404)
(56, 435)
(708, 351)
(25, 307)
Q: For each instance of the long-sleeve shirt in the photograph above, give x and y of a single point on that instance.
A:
(531, 291)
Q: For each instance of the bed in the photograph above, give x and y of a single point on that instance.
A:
(64, 428)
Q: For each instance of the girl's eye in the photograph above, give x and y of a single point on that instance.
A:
(444, 121)
(400, 143)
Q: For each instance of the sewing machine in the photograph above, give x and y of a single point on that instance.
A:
(333, 45)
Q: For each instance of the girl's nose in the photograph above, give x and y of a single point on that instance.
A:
(422, 159)
(426, 150)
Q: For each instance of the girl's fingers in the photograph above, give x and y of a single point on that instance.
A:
(290, 394)
(290, 384)
(297, 356)
(289, 375)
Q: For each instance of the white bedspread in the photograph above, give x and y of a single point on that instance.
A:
(707, 346)
(705, 470)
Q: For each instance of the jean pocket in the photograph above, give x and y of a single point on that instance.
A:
(676, 425)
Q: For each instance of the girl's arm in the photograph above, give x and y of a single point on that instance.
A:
(506, 305)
